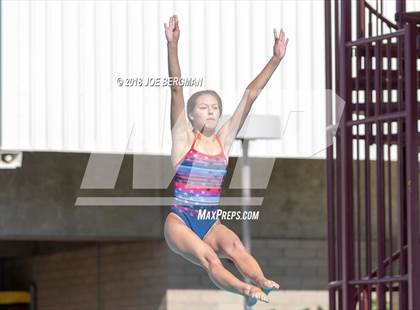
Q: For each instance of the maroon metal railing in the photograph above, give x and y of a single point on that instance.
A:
(374, 19)
(372, 166)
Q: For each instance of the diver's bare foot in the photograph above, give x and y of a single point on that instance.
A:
(267, 285)
(253, 294)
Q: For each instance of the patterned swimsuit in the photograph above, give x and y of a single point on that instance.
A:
(198, 180)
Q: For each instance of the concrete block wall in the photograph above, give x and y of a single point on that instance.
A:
(148, 275)
(45, 189)
(38, 204)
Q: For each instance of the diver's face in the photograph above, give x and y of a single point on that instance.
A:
(206, 112)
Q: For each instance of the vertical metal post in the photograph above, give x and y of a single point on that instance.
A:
(347, 161)
(380, 202)
(337, 165)
(402, 177)
(360, 15)
(246, 193)
(412, 167)
(368, 190)
(400, 8)
(329, 171)
(33, 293)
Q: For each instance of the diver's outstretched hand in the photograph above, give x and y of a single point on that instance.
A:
(279, 48)
(172, 31)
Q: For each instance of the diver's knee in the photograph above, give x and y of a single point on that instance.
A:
(211, 262)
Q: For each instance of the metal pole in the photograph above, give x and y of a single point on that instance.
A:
(32, 291)
(346, 155)
(412, 167)
(329, 171)
(246, 192)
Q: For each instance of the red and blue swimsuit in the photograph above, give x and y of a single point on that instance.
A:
(198, 181)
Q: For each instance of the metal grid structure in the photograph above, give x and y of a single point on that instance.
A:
(372, 166)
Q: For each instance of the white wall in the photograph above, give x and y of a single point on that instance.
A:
(61, 60)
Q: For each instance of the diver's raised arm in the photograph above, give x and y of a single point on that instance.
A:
(232, 126)
(178, 119)
(279, 50)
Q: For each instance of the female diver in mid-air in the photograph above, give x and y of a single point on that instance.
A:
(199, 158)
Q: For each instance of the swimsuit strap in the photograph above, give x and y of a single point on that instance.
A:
(222, 148)
(195, 139)
(191, 147)
(220, 143)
